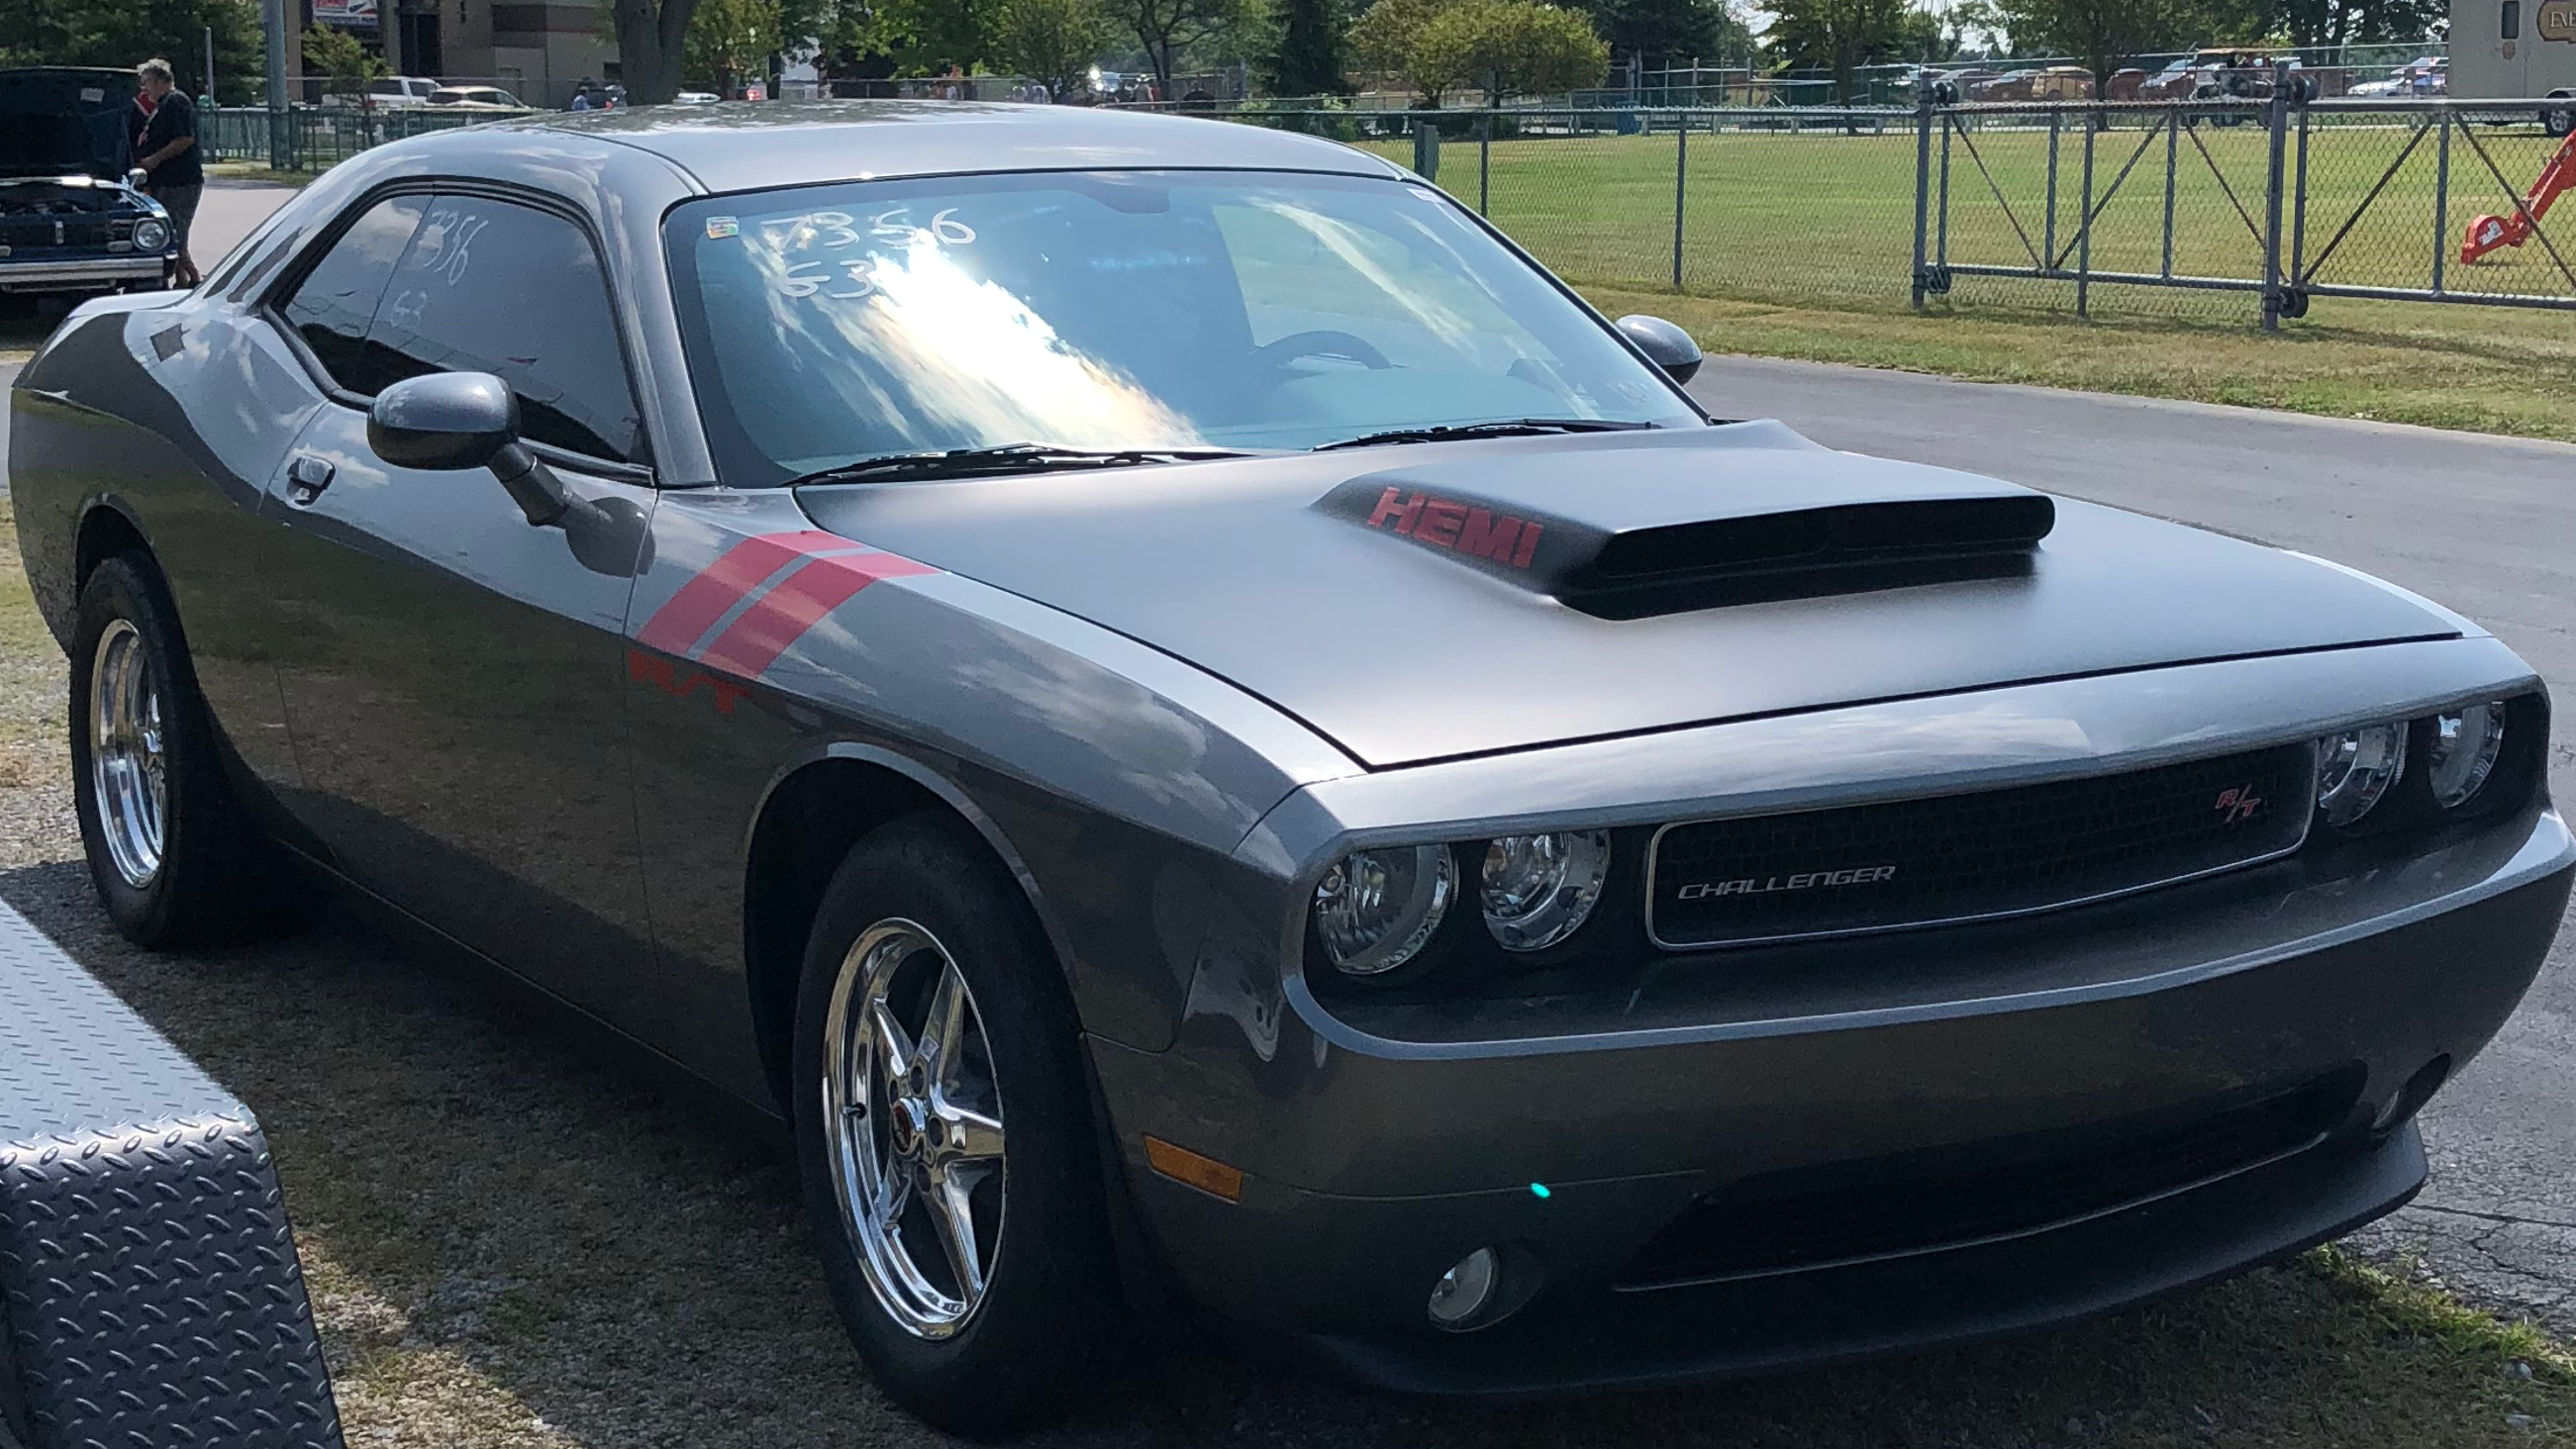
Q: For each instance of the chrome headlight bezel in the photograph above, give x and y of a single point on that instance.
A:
(1375, 910)
(151, 234)
(1536, 891)
(2463, 746)
(2357, 768)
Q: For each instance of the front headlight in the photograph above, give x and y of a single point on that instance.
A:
(1536, 890)
(1376, 909)
(151, 234)
(2462, 751)
(2355, 769)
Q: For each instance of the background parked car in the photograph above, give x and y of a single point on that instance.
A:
(399, 91)
(2056, 83)
(475, 98)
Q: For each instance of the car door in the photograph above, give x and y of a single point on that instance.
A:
(451, 672)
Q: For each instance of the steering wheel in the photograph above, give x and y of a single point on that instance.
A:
(1277, 355)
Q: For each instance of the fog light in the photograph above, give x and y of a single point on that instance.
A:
(1463, 1293)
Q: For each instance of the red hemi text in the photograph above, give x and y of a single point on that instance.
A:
(1443, 523)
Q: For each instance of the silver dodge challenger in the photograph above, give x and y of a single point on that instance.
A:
(1207, 734)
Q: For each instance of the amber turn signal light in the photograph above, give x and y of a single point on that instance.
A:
(1206, 1174)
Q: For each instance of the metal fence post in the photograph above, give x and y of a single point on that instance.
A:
(2048, 232)
(1681, 171)
(1485, 165)
(2173, 164)
(1922, 183)
(2272, 188)
(2084, 220)
(2442, 198)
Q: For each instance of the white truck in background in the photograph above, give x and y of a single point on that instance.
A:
(2504, 49)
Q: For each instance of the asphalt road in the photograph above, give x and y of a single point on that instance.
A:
(2486, 525)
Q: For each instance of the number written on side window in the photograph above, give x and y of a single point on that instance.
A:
(335, 304)
(492, 286)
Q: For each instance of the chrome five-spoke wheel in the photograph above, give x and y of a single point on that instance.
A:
(127, 773)
(912, 1117)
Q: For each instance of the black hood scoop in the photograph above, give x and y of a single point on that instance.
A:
(1675, 529)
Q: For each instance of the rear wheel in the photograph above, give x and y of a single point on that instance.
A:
(946, 1138)
(174, 857)
(2562, 122)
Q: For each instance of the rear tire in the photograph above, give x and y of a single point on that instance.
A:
(2560, 124)
(990, 1114)
(174, 857)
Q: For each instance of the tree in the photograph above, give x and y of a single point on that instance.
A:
(1666, 32)
(2104, 34)
(652, 45)
(1167, 28)
(1308, 58)
(53, 32)
(337, 55)
(1385, 39)
(1054, 41)
(1512, 48)
(1840, 36)
(2343, 22)
(730, 41)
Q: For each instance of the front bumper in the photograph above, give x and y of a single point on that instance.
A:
(86, 274)
(1381, 1149)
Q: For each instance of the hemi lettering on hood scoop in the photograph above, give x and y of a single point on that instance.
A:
(1674, 578)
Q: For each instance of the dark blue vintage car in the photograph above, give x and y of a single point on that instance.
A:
(70, 220)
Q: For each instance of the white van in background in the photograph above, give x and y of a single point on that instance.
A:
(2503, 49)
(399, 90)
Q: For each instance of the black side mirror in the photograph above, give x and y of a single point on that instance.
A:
(443, 420)
(464, 420)
(1664, 344)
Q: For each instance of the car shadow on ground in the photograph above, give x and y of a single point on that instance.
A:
(516, 1234)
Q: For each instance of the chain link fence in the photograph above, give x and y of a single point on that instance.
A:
(2250, 208)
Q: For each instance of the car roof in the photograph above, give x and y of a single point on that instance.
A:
(755, 145)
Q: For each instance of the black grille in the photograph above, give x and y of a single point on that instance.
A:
(1961, 857)
(39, 231)
(1964, 1195)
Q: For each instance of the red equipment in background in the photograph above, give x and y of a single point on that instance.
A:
(2491, 233)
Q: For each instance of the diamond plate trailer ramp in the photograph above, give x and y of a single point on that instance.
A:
(150, 1294)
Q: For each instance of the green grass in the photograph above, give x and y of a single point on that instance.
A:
(1800, 245)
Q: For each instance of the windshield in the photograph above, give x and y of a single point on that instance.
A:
(1118, 310)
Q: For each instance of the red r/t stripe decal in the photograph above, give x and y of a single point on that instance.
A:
(780, 617)
(817, 572)
(676, 627)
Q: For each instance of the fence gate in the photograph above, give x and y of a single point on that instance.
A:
(2280, 197)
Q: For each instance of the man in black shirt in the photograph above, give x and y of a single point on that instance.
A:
(165, 146)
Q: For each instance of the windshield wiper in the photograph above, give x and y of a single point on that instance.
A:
(1507, 428)
(1002, 458)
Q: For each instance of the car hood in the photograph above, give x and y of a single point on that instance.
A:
(64, 122)
(1647, 580)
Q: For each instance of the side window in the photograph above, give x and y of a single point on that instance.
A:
(335, 304)
(2513, 19)
(490, 286)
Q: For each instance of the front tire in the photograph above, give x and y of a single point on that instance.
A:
(174, 857)
(946, 1140)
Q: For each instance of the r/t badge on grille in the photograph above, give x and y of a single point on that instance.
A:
(2238, 803)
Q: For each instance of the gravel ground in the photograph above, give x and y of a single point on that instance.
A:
(517, 1235)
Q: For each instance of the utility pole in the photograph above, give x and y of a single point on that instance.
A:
(273, 14)
(209, 91)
